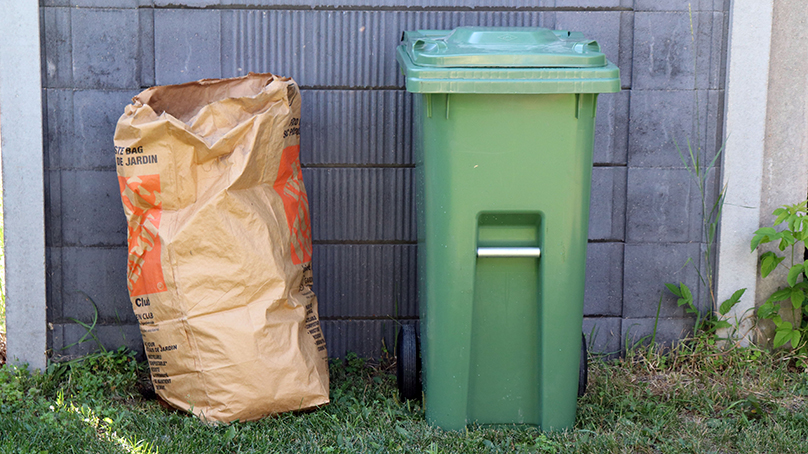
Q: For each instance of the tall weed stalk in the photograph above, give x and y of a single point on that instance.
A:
(700, 166)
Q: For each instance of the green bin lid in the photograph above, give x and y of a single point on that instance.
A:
(504, 60)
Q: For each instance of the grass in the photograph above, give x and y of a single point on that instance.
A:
(696, 398)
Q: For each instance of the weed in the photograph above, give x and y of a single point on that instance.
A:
(708, 323)
(696, 162)
(792, 237)
(353, 363)
(89, 328)
(101, 375)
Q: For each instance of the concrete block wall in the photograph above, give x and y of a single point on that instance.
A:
(356, 146)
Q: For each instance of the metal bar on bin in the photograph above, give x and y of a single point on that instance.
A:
(508, 252)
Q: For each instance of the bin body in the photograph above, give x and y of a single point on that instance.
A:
(501, 165)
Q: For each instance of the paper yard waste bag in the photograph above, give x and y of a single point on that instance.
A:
(219, 270)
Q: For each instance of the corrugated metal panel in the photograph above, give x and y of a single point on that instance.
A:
(340, 48)
(356, 127)
(361, 204)
(460, 4)
(366, 338)
(363, 280)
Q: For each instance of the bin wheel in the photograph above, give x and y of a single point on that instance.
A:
(408, 367)
(583, 370)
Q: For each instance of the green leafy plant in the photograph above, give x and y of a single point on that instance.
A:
(709, 323)
(793, 294)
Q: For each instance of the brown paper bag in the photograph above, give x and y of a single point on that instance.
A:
(219, 269)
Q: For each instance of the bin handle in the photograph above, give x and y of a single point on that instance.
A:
(428, 45)
(508, 252)
(583, 47)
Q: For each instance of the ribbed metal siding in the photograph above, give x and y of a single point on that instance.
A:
(345, 49)
(366, 280)
(361, 204)
(356, 127)
(366, 338)
(456, 4)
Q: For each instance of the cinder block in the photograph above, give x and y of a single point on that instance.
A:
(663, 123)
(640, 331)
(663, 205)
(95, 275)
(53, 208)
(626, 42)
(366, 338)
(712, 51)
(603, 335)
(361, 204)
(95, 114)
(119, 4)
(53, 283)
(187, 45)
(92, 214)
(648, 267)
(59, 123)
(105, 44)
(606, 28)
(57, 47)
(110, 3)
(366, 280)
(607, 208)
(356, 127)
(611, 128)
(681, 5)
(349, 48)
(585, 4)
(663, 51)
(604, 280)
(146, 55)
(722, 67)
(665, 54)
(197, 3)
(67, 340)
(711, 120)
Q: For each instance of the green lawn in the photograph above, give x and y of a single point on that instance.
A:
(698, 399)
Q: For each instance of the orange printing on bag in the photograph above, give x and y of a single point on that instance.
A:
(289, 185)
(142, 204)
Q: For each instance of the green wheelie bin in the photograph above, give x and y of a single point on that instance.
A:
(503, 133)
